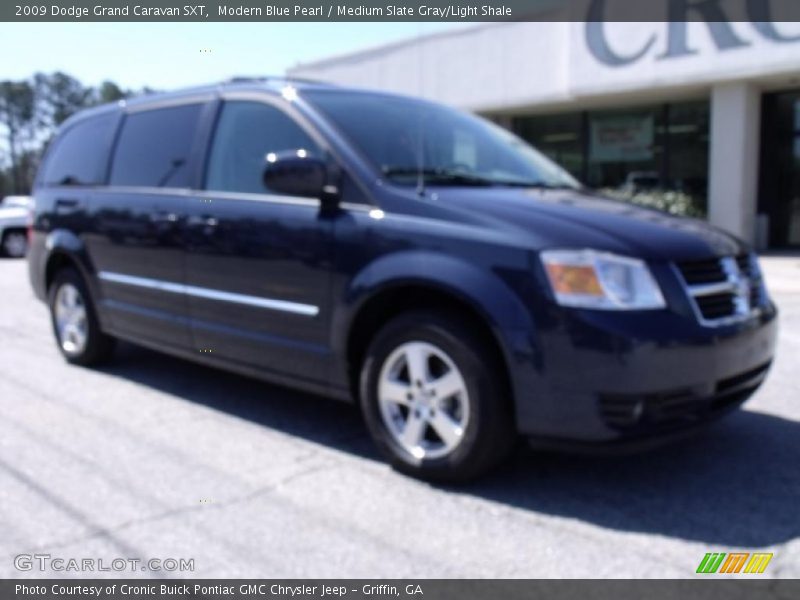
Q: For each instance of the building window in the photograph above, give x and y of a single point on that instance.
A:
(687, 147)
(638, 149)
(626, 148)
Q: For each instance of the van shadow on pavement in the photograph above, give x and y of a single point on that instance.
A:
(736, 484)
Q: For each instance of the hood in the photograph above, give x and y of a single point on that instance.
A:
(15, 213)
(579, 219)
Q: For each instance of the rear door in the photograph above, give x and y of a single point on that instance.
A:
(257, 263)
(136, 246)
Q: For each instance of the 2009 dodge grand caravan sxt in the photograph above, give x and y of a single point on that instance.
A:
(418, 260)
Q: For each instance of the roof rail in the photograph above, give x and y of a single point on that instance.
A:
(273, 78)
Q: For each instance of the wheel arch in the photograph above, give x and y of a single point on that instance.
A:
(410, 296)
(62, 249)
(414, 281)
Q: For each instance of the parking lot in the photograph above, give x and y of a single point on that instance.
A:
(154, 457)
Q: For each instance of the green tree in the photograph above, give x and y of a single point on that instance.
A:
(28, 163)
(30, 113)
(59, 96)
(110, 92)
(17, 116)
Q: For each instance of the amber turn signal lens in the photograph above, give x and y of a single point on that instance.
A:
(572, 279)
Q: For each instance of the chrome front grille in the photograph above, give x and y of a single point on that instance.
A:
(699, 272)
(724, 289)
(748, 265)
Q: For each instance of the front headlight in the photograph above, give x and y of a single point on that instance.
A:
(599, 280)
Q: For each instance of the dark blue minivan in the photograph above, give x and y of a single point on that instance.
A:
(422, 262)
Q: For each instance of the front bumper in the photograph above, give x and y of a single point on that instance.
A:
(623, 379)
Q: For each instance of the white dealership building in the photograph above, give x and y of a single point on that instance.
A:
(708, 108)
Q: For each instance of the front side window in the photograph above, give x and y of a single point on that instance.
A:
(246, 132)
(154, 147)
(80, 154)
(406, 138)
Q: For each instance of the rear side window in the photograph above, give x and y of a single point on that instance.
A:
(154, 147)
(80, 154)
(246, 132)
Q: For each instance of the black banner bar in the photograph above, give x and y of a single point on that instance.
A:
(709, 588)
(399, 10)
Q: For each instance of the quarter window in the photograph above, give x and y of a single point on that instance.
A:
(80, 154)
(154, 147)
(245, 134)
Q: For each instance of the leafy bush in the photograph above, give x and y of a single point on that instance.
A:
(669, 201)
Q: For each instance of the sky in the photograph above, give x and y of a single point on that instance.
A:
(172, 55)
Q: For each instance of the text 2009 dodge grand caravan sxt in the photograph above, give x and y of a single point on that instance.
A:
(421, 261)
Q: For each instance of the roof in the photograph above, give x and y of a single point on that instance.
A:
(268, 84)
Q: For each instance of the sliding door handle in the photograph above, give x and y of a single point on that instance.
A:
(163, 218)
(204, 221)
(67, 205)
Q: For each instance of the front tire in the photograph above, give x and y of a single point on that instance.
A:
(434, 398)
(75, 323)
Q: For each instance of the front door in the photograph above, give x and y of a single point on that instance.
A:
(257, 263)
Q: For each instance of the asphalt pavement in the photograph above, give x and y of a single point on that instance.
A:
(153, 457)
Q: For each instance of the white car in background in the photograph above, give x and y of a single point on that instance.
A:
(14, 213)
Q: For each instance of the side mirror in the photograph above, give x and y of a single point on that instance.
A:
(297, 173)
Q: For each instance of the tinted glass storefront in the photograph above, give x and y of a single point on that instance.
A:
(779, 197)
(661, 146)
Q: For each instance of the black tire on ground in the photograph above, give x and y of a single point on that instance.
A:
(489, 434)
(99, 347)
(15, 243)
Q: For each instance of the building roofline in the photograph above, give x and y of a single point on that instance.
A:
(385, 48)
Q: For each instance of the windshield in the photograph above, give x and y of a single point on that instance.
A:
(408, 139)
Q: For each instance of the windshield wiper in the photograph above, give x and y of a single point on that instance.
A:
(543, 185)
(439, 175)
(442, 175)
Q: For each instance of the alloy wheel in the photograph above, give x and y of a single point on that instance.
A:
(71, 320)
(423, 400)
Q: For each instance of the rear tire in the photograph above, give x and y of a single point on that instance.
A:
(434, 399)
(15, 243)
(74, 320)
